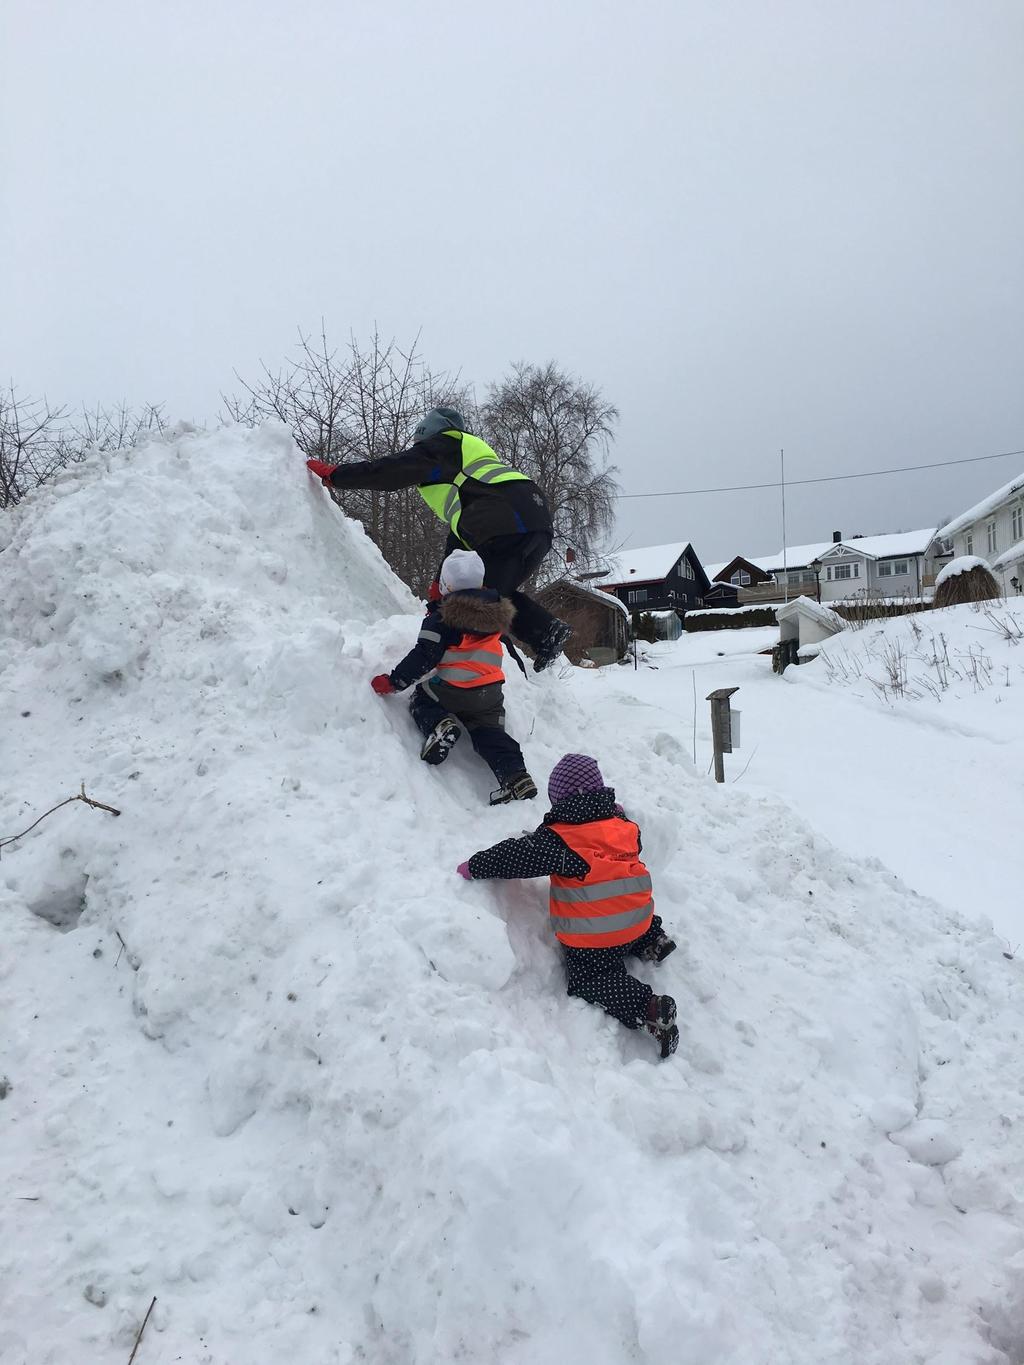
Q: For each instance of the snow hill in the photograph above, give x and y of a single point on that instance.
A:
(329, 1103)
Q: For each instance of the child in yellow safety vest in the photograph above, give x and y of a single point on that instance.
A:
(456, 666)
(602, 910)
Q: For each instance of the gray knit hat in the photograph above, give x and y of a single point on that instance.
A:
(436, 421)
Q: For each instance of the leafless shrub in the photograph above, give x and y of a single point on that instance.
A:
(1007, 626)
(115, 428)
(894, 661)
(37, 441)
(843, 668)
(974, 585)
(873, 605)
(32, 444)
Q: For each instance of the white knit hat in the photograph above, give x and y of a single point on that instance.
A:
(462, 569)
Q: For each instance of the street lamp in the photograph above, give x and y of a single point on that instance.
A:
(816, 566)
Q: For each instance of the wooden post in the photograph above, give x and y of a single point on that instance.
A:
(721, 727)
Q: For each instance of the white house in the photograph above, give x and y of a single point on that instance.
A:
(901, 564)
(994, 529)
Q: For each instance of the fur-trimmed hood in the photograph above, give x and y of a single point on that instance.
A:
(478, 611)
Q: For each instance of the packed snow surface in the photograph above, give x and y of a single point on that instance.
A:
(266, 1058)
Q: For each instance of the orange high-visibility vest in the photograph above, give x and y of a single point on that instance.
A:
(473, 662)
(613, 903)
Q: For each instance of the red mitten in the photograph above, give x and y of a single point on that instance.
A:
(463, 871)
(321, 470)
(382, 685)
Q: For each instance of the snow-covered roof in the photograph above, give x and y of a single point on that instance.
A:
(793, 557)
(713, 570)
(645, 565)
(983, 508)
(1009, 556)
(604, 597)
(875, 547)
(607, 599)
(806, 606)
(895, 543)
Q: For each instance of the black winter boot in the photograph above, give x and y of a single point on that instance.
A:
(518, 787)
(552, 644)
(441, 740)
(661, 1023)
(659, 950)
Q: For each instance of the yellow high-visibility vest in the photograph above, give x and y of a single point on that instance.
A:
(479, 462)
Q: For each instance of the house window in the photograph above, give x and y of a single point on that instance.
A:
(1017, 522)
(968, 544)
(685, 569)
(990, 531)
(889, 568)
(792, 578)
(841, 571)
(740, 578)
(637, 595)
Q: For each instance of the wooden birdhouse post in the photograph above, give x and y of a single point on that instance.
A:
(721, 727)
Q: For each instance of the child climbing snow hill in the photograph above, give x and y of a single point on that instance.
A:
(460, 650)
(601, 906)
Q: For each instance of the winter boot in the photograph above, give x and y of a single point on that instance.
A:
(661, 1023)
(552, 644)
(518, 787)
(658, 949)
(441, 740)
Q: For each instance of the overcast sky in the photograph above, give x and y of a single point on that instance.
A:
(755, 226)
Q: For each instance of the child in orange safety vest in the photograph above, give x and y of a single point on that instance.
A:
(456, 665)
(601, 906)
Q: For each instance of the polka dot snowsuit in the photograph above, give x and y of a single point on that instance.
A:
(597, 975)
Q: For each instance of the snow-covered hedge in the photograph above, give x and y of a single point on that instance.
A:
(729, 618)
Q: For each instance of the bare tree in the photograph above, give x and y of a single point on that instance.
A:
(360, 404)
(37, 441)
(115, 428)
(557, 430)
(33, 444)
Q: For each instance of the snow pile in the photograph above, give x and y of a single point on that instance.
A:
(964, 564)
(326, 1102)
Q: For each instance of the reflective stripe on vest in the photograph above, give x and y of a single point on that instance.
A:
(479, 462)
(473, 662)
(613, 904)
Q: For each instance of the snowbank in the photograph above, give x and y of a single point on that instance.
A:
(327, 1102)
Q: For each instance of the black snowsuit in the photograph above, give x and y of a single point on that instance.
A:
(474, 611)
(597, 975)
(507, 524)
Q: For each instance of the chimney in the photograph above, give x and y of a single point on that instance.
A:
(836, 537)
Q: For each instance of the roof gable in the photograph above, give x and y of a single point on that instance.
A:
(649, 564)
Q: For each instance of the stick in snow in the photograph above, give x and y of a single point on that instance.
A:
(81, 796)
(141, 1330)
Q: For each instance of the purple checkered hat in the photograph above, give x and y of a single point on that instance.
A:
(574, 773)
